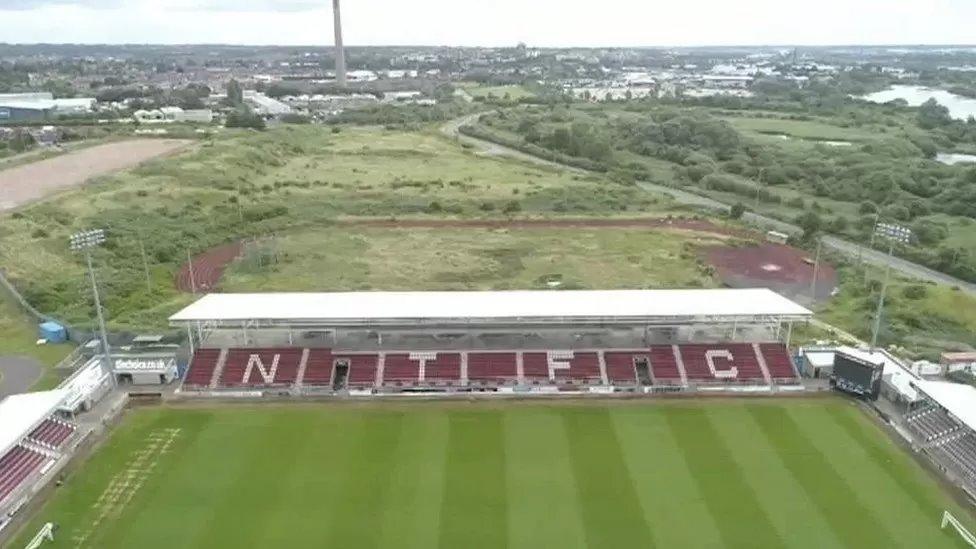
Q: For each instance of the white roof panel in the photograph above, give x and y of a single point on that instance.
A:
(20, 413)
(958, 398)
(491, 306)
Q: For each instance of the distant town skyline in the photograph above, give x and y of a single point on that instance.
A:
(559, 23)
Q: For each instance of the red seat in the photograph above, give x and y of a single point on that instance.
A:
(621, 366)
(274, 366)
(738, 360)
(444, 367)
(492, 367)
(202, 366)
(400, 368)
(778, 361)
(362, 369)
(318, 367)
(51, 433)
(664, 367)
(585, 367)
(535, 366)
(16, 466)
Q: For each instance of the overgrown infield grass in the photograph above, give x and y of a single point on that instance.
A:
(747, 473)
(458, 258)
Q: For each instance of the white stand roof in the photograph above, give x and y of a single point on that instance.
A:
(21, 413)
(378, 308)
(958, 398)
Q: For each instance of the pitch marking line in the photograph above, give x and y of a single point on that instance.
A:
(127, 482)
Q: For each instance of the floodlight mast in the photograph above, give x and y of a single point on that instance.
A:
(84, 242)
(894, 233)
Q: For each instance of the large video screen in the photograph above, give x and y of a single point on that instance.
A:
(855, 376)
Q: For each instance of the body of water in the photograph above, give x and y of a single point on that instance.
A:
(956, 158)
(959, 107)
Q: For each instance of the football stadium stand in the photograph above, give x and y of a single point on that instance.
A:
(731, 363)
(566, 339)
(32, 438)
(943, 425)
(16, 466)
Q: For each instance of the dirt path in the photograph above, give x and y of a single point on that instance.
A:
(27, 183)
(673, 223)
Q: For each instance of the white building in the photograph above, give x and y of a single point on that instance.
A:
(265, 105)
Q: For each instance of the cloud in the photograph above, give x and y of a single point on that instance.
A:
(490, 23)
(177, 5)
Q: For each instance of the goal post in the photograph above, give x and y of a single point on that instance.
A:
(966, 535)
(46, 533)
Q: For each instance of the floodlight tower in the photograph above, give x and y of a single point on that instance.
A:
(84, 242)
(340, 53)
(894, 233)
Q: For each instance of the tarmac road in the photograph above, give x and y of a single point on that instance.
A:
(18, 374)
(874, 257)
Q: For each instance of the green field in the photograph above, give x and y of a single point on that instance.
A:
(809, 473)
(811, 130)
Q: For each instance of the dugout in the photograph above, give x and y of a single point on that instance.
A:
(145, 370)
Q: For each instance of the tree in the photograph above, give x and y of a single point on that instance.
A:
(839, 224)
(737, 210)
(21, 141)
(244, 118)
(811, 223)
(235, 93)
(933, 115)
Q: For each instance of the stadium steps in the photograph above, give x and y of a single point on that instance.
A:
(681, 364)
(650, 371)
(39, 448)
(947, 438)
(464, 370)
(602, 361)
(302, 364)
(762, 364)
(218, 370)
(380, 367)
(520, 368)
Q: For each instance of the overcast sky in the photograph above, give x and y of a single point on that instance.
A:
(493, 22)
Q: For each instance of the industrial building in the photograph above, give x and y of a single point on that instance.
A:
(264, 105)
(36, 106)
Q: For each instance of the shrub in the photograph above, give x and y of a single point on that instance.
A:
(915, 291)
(737, 210)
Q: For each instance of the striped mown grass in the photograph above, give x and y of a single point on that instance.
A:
(802, 474)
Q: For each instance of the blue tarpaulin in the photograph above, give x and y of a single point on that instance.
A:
(53, 332)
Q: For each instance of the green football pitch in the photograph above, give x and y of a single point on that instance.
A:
(732, 473)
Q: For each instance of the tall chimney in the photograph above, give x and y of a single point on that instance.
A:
(340, 53)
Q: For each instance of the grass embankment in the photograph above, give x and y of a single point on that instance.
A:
(924, 319)
(243, 184)
(19, 340)
(796, 474)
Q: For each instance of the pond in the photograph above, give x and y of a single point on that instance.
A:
(959, 107)
(955, 158)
